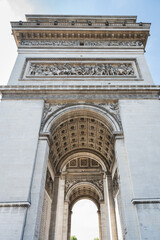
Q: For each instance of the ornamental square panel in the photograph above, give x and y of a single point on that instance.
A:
(58, 69)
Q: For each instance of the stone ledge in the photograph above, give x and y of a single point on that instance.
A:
(128, 88)
(15, 204)
(145, 200)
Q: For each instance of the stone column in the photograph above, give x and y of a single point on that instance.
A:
(100, 225)
(60, 210)
(69, 225)
(112, 208)
(129, 219)
(54, 208)
(105, 216)
(33, 220)
(65, 220)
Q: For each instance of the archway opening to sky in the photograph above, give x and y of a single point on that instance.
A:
(84, 223)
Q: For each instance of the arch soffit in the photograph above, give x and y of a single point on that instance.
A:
(66, 112)
(82, 154)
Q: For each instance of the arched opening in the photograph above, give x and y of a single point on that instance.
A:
(82, 159)
(85, 222)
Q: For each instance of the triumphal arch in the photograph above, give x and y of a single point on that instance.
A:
(80, 119)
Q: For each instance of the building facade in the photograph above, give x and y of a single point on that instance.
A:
(80, 118)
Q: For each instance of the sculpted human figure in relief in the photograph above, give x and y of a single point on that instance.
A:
(81, 69)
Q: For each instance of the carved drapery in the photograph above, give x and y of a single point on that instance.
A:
(49, 184)
(115, 183)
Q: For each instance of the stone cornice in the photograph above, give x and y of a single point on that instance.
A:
(15, 204)
(81, 34)
(105, 28)
(81, 89)
(145, 200)
(50, 17)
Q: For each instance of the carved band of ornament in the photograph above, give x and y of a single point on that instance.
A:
(97, 182)
(118, 69)
(57, 43)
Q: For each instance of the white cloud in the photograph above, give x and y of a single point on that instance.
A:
(20, 8)
(10, 10)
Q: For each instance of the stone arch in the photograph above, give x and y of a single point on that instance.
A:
(83, 154)
(109, 117)
(81, 128)
(84, 190)
(82, 157)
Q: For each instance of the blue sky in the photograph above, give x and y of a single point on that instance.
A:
(146, 10)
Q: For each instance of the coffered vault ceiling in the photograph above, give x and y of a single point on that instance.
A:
(81, 134)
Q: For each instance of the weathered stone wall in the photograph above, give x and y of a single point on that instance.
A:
(20, 73)
(19, 130)
(141, 126)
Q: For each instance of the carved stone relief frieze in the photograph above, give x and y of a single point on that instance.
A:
(54, 43)
(113, 108)
(95, 180)
(88, 69)
(113, 43)
(79, 43)
(48, 110)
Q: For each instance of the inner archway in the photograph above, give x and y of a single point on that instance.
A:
(85, 222)
(82, 158)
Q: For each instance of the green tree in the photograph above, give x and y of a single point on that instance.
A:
(73, 238)
(96, 238)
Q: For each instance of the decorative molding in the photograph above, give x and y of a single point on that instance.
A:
(68, 28)
(54, 92)
(15, 204)
(145, 200)
(125, 88)
(98, 182)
